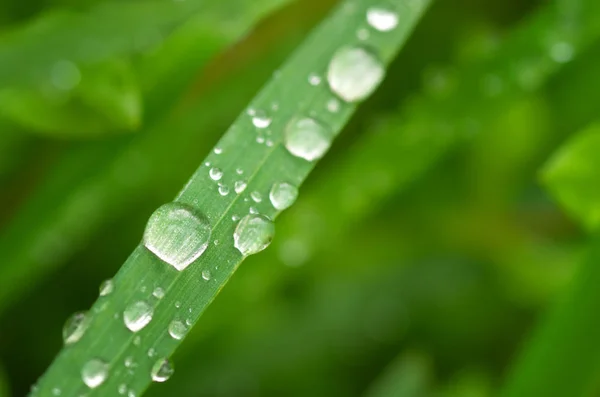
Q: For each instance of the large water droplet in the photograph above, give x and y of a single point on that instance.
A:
(253, 234)
(215, 173)
(239, 186)
(177, 234)
(307, 139)
(107, 287)
(382, 19)
(94, 373)
(354, 73)
(137, 315)
(177, 329)
(283, 195)
(75, 327)
(161, 370)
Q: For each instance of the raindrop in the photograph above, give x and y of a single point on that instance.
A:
(314, 79)
(177, 304)
(177, 234)
(94, 373)
(206, 274)
(382, 19)
(307, 139)
(283, 195)
(260, 139)
(354, 73)
(151, 352)
(235, 218)
(260, 119)
(215, 173)
(256, 197)
(161, 370)
(177, 329)
(75, 327)
(107, 287)
(239, 171)
(158, 293)
(122, 388)
(269, 142)
(333, 105)
(253, 234)
(217, 150)
(223, 190)
(239, 186)
(253, 210)
(137, 315)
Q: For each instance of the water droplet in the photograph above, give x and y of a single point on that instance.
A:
(256, 197)
(206, 274)
(107, 287)
(131, 393)
(215, 173)
(260, 139)
(122, 388)
(56, 391)
(158, 293)
(362, 34)
(177, 234)
(223, 190)
(283, 195)
(235, 218)
(188, 321)
(177, 304)
(260, 119)
(75, 327)
(207, 163)
(354, 73)
(137, 315)
(94, 373)
(239, 186)
(177, 329)
(314, 80)
(239, 171)
(137, 340)
(333, 105)
(307, 139)
(269, 143)
(65, 75)
(151, 352)
(382, 19)
(253, 234)
(129, 363)
(253, 210)
(562, 52)
(161, 370)
(216, 242)
(251, 112)
(217, 150)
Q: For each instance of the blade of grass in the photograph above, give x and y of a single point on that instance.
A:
(106, 337)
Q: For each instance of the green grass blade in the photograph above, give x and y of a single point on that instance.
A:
(571, 176)
(189, 292)
(564, 356)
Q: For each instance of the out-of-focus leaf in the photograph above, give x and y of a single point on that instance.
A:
(407, 376)
(97, 99)
(4, 389)
(573, 176)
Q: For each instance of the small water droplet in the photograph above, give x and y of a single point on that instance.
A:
(260, 119)
(333, 105)
(215, 173)
(94, 373)
(151, 352)
(216, 242)
(177, 234)
(283, 195)
(223, 190)
(307, 139)
(188, 321)
(137, 340)
(382, 19)
(362, 34)
(253, 210)
(235, 218)
(129, 363)
(56, 391)
(137, 315)
(314, 79)
(256, 196)
(239, 186)
(269, 143)
(158, 293)
(177, 304)
(106, 287)
(253, 234)
(239, 171)
(217, 150)
(260, 139)
(177, 329)
(131, 393)
(75, 327)
(206, 274)
(122, 388)
(354, 73)
(207, 163)
(161, 370)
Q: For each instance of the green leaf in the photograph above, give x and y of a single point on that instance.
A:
(409, 375)
(252, 151)
(571, 175)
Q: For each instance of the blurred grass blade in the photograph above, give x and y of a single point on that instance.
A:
(409, 375)
(563, 358)
(572, 176)
(252, 152)
(435, 122)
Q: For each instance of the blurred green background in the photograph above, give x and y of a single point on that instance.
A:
(427, 253)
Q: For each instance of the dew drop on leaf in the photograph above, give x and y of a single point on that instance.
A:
(206, 274)
(137, 315)
(382, 19)
(161, 370)
(177, 234)
(94, 373)
(253, 234)
(158, 293)
(307, 139)
(177, 329)
(354, 73)
(256, 197)
(239, 186)
(283, 195)
(107, 287)
(215, 173)
(75, 327)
